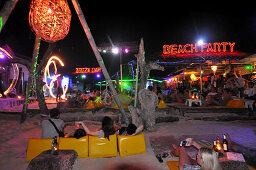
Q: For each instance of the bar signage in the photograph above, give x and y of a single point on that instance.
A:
(215, 47)
(88, 70)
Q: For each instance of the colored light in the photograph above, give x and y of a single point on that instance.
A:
(215, 47)
(249, 67)
(50, 19)
(104, 51)
(54, 77)
(1, 55)
(200, 42)
(115, 50)
(98, 75)
(125, 84)
(49, 10)
(83, 76)
(214, 68)
(88, 70)
(15, 72)
(126, 50)
(1, 23)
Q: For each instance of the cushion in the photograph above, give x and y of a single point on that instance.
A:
(37, 146)
(131, 145)
(235, 104)
(102, 147)
(161, 104)
(173, 165)
(78, 145)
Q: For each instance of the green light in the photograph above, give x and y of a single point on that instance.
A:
(249, 67)
(125, 84)
(83, 76)
(1, 23)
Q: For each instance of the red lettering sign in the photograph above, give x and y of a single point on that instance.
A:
(215, 47)
(88, 70)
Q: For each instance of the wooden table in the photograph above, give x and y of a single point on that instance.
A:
(64, 160)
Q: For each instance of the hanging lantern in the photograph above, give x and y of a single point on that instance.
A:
(214, 69)
(50, 19)
(193, 77)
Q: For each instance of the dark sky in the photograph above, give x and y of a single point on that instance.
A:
(157, 22)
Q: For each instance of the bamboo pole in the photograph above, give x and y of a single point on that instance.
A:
(98, 57)
(136, 86)
(31, 77)
(6, 11)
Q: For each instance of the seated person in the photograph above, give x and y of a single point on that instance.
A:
(205, 159)
(131, 130)
(222, 101)
(107, 128)
(48, 129)
(250, 91)
(79, 133)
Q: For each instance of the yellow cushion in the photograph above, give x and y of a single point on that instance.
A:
(162, 104)
(131, 145)
(91, 105)
(37, 146)
(78, 145)
(235, 104)
(173, 165)
(124, 106)
(101, 147)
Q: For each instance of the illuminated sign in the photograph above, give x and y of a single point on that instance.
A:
(216, 47)
(88, 70)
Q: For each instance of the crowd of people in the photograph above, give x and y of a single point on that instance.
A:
(207, 158)
(217, 90)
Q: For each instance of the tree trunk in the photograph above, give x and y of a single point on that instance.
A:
(39, 83)
(32, 71)
(6, 11)
(98, 57)
(148, 101)
(40, 96)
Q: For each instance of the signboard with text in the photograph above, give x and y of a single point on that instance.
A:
(194, 49)
(85, 70)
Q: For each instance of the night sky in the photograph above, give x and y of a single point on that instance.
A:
(158, 23)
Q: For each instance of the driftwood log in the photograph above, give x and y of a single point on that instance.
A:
(148, 102)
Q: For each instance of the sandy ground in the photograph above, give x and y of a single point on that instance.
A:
(14, 138)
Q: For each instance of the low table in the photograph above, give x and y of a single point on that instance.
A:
(64, 160)
(189, 102)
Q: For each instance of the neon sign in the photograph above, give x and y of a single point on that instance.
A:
(215, 47)
(88, 70)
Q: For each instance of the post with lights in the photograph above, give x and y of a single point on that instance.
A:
(116, 50)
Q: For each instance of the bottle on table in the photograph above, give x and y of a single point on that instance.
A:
(214, 147)
(218, 145)
(225, 143)
(54, 146)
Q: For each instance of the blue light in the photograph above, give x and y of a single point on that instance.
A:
(98, 75)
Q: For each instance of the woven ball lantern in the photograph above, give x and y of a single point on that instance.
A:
(50, 19)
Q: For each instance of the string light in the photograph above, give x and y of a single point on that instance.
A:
(50, 19)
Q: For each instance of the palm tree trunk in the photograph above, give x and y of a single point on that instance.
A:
(6, 11)
(32, 71)
(98, 57)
